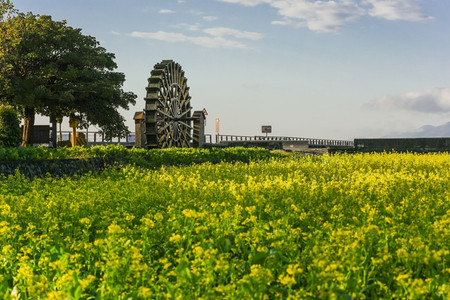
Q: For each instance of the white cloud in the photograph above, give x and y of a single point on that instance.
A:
(247, 2)
(190, 27)
(393, 10)
(217, 42)
(209, 18)
(216, 37)
(224, 31)
(204, 41)
(321, 16)
(196, 12)
(329, 16)
(166, 11)
(433, 101)
(161, 36)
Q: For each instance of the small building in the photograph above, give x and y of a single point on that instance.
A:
(199, 129)
(139, 123)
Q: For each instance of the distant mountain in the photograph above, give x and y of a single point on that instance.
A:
(427, 131)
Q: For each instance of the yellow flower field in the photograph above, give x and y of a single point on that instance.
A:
(329, 227)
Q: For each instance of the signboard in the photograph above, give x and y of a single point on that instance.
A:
(266, 129)
(217, 125)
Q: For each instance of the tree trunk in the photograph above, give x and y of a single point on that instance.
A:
(28, 124)
(60, 132)
(54, 134)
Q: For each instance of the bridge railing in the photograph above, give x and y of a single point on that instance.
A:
(97, 137)
(209, 138)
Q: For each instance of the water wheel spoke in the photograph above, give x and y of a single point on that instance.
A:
(186, 137)
(188, 126)
(163, 113)
(164, 144)
(164, 127)
(185, 113)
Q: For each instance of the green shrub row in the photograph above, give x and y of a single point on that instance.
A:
(140, 157)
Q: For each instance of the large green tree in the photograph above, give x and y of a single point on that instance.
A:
(50, 68)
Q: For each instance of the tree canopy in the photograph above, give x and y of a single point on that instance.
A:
(5, 7)
(50, 68)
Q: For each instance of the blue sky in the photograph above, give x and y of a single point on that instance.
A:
(323, 69)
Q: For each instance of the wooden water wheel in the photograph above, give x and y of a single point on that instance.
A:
(168, 120)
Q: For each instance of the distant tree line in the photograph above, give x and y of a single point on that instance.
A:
(52, 69)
